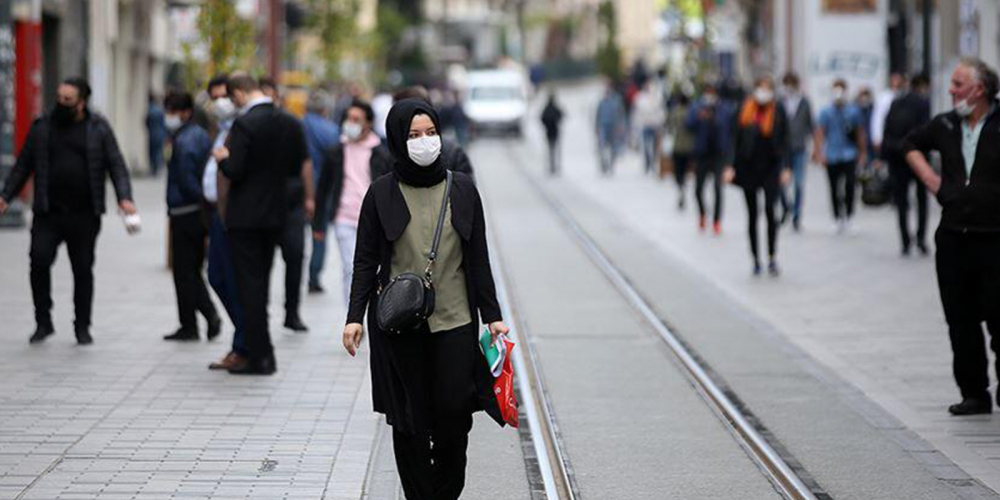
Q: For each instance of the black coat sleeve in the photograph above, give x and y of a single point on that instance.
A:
(923, 138)
(478, 261)
(23, 168)
(238, 143)
(366, 259)
(116, 165)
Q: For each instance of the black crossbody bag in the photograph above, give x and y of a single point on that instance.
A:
(408, 300)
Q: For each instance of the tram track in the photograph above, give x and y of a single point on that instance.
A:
(554, 465)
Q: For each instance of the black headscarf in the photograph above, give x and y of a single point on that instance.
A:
(397, 131)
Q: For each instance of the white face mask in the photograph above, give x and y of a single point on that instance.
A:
(763, 95)
(223, 108)
(839, 94)
(424, 150)
(353, 130)
(964, 108)
(173, 122)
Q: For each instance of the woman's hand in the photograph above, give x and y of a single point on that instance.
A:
(497, 328)
(786, 177)
(353, 333)
(728, 174)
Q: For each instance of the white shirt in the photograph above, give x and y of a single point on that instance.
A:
(880, 110)
(209, 186)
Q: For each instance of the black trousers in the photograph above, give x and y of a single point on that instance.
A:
(902, 177)
(79, 232)
(253, 255)
(188, 233)
(553, 155)
(432, 466)
(968, 272)
(771, 194)
(705, 167)
(681, 163)
(843, 204)
(293, 244)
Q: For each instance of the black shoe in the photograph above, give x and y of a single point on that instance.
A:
(41, 333)
(922, 246)
(905, 252)
(83, 337)
(295, 324)
(182, 335)
(255, 366)
(214, 328)
(773, 269)
(970, 406)
(756, 269)
(315, 288)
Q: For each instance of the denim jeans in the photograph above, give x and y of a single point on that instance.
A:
(222, 278)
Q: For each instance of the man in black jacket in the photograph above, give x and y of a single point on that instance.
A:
(265, 148)
(71, 151)
(968, 238)
(905, 114)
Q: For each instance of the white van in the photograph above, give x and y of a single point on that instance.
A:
(496, 100)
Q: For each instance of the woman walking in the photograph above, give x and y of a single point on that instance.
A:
(759, 149)
(683, 142)
(428, 380)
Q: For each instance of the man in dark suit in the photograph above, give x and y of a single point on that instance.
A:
(906, 113)
(266, 147)
(71, 152)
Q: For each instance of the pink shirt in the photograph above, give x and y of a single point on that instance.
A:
(357, 178)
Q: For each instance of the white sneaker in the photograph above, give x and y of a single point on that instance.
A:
(849, 227)
(837, 227)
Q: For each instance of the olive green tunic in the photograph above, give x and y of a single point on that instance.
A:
(410, 251)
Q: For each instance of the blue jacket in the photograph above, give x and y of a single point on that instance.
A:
(321, 135)
(191, 149)
(710, 136)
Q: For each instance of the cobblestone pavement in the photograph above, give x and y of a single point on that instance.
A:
(133, 416)
(850, 301)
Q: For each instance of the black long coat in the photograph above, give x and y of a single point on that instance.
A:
(758, 160)
(384, 216)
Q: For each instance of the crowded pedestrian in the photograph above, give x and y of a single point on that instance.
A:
(321, 135)
(708, 122)
(156, 131)
(221, 273)
(759, 148)
(968, 236)
(552, 116)
(683, 142)
(880, 109)
(343, 181)
(427, 379)
(648, 117)
(907, 113)
(265, 148)
(191, 148)
(611, 128)
(70, 152)
(839, 145)
(800, 128)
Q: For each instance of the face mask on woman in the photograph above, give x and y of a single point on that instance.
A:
(424, 150)
(763, 95)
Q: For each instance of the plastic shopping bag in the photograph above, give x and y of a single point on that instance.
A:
(503, 386)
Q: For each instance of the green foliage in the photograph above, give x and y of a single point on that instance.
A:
(609, 57)
(333, 21)
(228, 38)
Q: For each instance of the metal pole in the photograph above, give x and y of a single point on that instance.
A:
(926, 7)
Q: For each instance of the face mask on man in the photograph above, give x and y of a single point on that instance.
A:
(63, 113)
(424, 150)
(353, 131)
(173, 122)
(839, 95)
(223, 108)
(965, 107)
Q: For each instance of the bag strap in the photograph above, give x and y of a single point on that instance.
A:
(440, 225)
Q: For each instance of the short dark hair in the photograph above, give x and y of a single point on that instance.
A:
(414, 92)
(840, 82)
(242, 82)
(81, 85)
(266, 81)
(178, 100)
(217, 80)
(363, 106)
(790, 78)
(919, 80)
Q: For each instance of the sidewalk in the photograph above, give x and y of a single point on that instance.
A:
(849, 301)
(133, 416)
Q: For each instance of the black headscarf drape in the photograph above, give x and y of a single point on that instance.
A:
(397, 130)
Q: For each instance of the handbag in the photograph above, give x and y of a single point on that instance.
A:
(408, 299)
